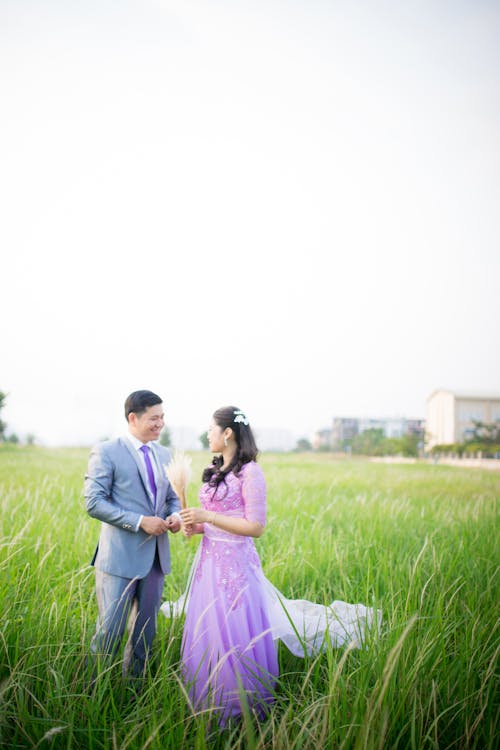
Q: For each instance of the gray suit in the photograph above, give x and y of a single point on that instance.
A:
(129, 564)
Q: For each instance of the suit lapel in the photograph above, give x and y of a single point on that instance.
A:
(140, 468)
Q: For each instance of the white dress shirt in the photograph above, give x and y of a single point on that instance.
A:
(137, 445)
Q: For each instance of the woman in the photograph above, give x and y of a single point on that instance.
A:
(234, 614)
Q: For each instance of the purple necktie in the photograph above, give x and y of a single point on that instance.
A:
(149, 469)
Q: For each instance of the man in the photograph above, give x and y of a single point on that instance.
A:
(127, 489)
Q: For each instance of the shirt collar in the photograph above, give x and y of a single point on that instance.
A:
(135, 442)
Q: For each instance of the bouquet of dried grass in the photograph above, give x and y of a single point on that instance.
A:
(178, 472)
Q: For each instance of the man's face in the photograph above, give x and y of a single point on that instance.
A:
(148, 425)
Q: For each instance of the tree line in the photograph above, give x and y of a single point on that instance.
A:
(10, 437)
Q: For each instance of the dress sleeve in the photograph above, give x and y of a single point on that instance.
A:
(254, 493)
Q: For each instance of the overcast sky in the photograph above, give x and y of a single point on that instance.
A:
(289, 206)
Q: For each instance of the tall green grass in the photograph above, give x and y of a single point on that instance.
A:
(418, 541)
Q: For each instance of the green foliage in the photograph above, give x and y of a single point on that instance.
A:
(486, 433)
(409, 445)
(303, 445)
(203, 438)
(373, 442)
(165, 438)
(327, 449)
(455, 448)
(487, 450)
(368, 443)
(3, 425)
(406, 538)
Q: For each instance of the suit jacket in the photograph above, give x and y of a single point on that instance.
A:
(117, 493)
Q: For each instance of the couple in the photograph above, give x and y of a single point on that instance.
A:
(234, 615)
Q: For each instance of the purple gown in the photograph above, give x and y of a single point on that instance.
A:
(235, 616)
(228, 652)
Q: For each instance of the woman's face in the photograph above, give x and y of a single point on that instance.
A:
(215, 437)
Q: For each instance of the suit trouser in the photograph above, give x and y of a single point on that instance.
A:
(114, 599)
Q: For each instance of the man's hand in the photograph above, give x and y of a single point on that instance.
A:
(173, 524)
(154, 525)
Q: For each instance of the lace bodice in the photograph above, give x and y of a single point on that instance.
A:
(242, 496)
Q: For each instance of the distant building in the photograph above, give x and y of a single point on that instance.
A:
(370, 423)
(346, 428)
(451, 416)
(322, 440)
(343, 428)
(395, 427)
(415, 427)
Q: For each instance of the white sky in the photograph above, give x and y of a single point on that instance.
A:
(289, 206)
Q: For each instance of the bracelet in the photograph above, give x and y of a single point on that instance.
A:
(212, 518)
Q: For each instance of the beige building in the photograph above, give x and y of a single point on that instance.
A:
(451, 416)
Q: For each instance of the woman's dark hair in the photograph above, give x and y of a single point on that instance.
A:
(246, 449)
(139, 401)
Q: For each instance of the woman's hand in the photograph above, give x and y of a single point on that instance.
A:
(196, 516)
(193, 515)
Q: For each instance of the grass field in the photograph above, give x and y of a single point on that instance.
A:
(418, 541)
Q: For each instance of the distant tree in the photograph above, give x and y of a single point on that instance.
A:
(203, 438)
(165, 438)
(373, 442)
(303, 444)
(485, 432)
(447, 448)
(487, 450)
(410, 445)
(323, 448)
(30, 439)
(13, 438)
(388, 447)
(368, 442)
(3, 426)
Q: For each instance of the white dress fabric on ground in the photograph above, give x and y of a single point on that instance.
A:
(303, 626)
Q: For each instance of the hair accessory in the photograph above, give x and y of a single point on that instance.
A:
(240, 416)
